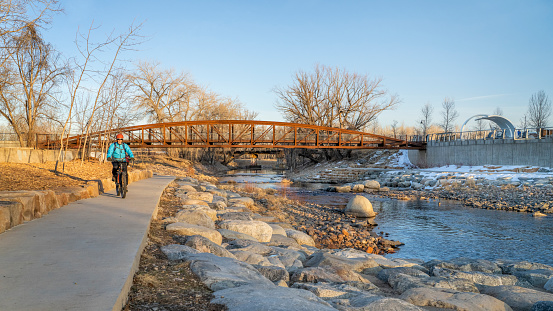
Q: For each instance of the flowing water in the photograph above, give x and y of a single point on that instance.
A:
(437, 229)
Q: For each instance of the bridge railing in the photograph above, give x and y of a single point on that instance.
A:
(498, 134)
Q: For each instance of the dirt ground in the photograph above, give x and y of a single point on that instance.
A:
(161, 284)
(43, 176)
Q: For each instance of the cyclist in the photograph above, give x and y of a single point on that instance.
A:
(118, 152)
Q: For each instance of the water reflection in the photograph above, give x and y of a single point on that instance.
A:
(439, 230)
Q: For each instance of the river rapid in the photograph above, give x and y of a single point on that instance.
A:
(433, 229)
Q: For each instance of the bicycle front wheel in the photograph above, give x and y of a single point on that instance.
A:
(123, 185)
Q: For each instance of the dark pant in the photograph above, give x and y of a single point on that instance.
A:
(116, 167)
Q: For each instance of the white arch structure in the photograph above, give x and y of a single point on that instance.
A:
(506, 126)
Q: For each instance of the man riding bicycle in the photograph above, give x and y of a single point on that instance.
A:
(118, 152)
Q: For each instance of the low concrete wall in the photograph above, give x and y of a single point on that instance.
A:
(535, 152)
(17, 207)
(30, 155)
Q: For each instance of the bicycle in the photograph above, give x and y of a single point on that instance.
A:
(121, 181)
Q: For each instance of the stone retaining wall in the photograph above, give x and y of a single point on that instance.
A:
(17, 207)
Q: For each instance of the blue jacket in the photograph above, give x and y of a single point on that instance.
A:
(117, 152)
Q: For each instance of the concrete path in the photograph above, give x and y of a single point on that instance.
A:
(79, 257)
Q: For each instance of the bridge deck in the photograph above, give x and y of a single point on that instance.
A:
(239, 134)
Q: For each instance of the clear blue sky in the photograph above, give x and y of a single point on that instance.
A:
(483, 54)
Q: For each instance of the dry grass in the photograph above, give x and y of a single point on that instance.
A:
(147, 280)
(508, 187)
(470, 183)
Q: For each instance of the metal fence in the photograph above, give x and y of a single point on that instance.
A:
(518, 134)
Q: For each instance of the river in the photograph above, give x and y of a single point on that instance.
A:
(435, 229)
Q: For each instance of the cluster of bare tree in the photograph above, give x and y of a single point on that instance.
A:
(166, 96)
(334, 97)
(42, 92)
(539, 111)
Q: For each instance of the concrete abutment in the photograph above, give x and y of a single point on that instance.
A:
(536, 152)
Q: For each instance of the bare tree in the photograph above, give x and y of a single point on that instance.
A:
(426, 118)
(33, 71)
(14, 14)
(122, 42)
(449, 115)
(539, 110)
(211, 106)
(334, 97)
(164, 95)
(19, 24)
(394, 128)
(524, 123)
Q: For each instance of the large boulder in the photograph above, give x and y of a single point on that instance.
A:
(283, 241)
(186, 189)
(274, 273)
(277, 229)
(204, 196)
(403, 282)
(543, 306)
(321, 259)
(250, 257)
(233, 235)
(538, 278)
(343, 189)
(449, 299)
(357, 188)
(372, 184)
(300, 237)
(326, 274)
(359, 206)
(195, 217)
(549, 285)
(204, 245)
(186, 229)
(510, 267)
(254, 298)
(291, 259)
(219, 273)
(258, 229)
(373, 302)
(206, 209)
(177, 251)
(195, 202)
(466, 265)
(385, 274)
(235, 215)
(251, 246)
(488, 279)
(241, 200)
(323, 290)
(519, 298)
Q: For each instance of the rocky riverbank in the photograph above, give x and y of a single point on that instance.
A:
(246, 252)
(521, 189)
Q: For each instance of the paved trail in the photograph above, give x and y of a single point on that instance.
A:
(81, 256)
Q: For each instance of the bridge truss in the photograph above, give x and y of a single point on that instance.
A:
(238, 134)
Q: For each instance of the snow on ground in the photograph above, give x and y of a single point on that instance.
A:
(489, 172)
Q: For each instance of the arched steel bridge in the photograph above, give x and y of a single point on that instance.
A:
(239, 134)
